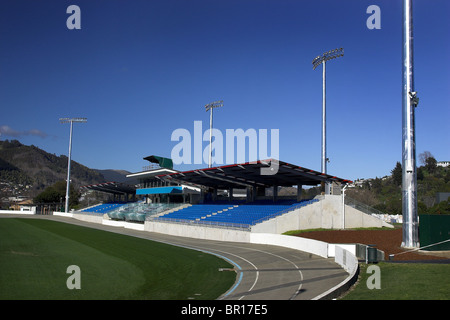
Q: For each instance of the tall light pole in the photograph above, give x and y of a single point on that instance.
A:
(409, 102)
(71, 121)
(329, 55)
(211, 106)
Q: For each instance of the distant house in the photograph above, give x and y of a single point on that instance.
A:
(23, 205)
(443, 164)
(27, 205)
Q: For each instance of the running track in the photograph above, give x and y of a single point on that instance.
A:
(263, 272)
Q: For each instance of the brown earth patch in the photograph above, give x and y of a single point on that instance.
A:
(387, 240)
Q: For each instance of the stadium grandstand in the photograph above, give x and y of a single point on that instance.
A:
(231, 196)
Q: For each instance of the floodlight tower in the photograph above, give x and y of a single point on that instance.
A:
(211, 106)
(326, 56)
(409, 102)
(71, 121)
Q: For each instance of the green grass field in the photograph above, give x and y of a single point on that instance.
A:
(404, 281)
(35, 254)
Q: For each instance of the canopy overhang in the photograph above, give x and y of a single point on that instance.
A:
(249, 174)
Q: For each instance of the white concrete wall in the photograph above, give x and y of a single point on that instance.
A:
(326, 213)
(63, 214)
(122, 224)
(303, 244)
(345, 259)
(16, 212)
(349, 263)
(198, 232)
(80, 216)
(349, 247)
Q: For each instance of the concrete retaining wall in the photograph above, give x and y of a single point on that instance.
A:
(123, 224)
(326, 213)
(349, 247)
(349, 262)
(16, 212)
(198, 232)
(308, 245)
(81, 216)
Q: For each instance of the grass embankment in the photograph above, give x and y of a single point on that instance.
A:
(35, 254)
(404, 281)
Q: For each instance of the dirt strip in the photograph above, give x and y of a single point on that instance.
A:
(387, 240)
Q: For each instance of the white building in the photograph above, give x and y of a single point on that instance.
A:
(443, 164)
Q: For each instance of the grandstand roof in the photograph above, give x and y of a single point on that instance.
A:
(249, 174)
(111, 187)
(151, 173)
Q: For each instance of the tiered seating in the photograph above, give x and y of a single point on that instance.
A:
(247, 214)
(227, 214)
(234, 215)
(103, 208)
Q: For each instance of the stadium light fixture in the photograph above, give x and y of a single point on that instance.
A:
(71, 121)
(409, 102)
(211, 106)
(322, 59)
(329, 55)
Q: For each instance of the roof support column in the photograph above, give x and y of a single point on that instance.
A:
(202, 196)
(275, 193)
(230, 194)
(299, 192)
(250, 194)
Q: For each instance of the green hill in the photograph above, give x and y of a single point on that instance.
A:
(385, 193)
(33, 169)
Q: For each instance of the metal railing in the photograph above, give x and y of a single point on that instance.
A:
(362, 206)
(205, 223)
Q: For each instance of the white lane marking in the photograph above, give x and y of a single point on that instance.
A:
(273, 254)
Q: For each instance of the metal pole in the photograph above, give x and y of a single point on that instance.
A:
(343, 206)
(211, 106)
(409, 101)
(68, 168)
(326, 56)
(210, 137)
(324, 122)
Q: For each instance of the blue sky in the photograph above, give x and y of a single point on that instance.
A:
(138, 70)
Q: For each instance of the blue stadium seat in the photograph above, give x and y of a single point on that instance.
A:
(234, 215)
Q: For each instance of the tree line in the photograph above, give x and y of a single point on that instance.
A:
(385, 194)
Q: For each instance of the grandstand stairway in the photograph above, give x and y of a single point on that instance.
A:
(138, 211)
(133, 211)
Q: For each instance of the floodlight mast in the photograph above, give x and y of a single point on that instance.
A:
(326, 56)
(409, 102)
(211, 106)
(71, 121)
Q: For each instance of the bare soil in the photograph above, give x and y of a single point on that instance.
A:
(387, 240)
